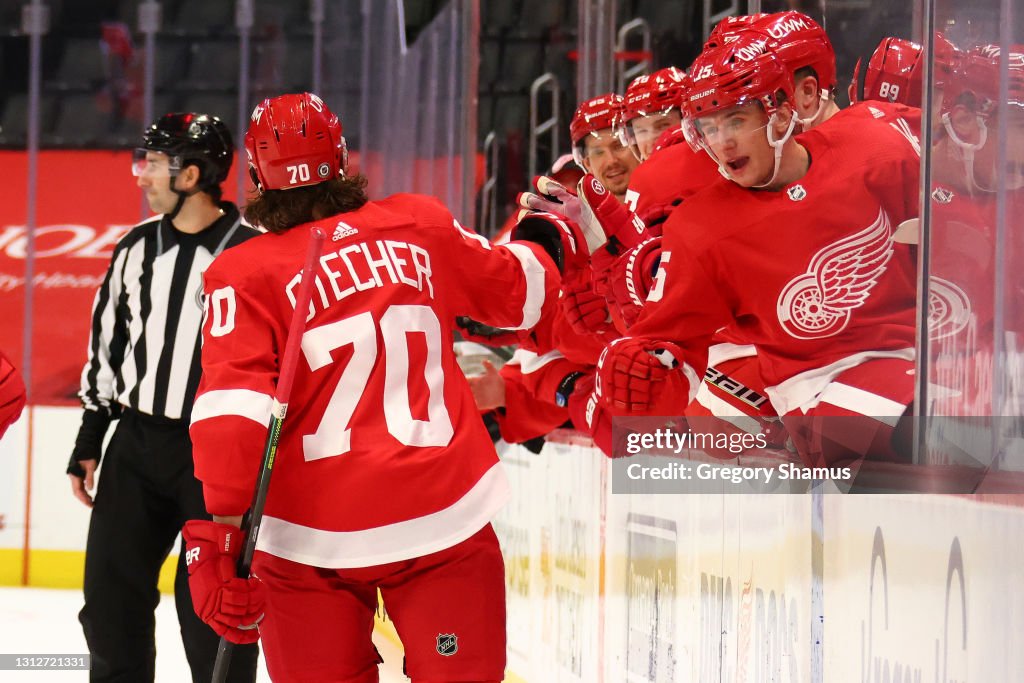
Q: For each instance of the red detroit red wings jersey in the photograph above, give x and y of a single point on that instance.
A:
(383, 455)
(902, 118)
(669, 176)
(811, 274)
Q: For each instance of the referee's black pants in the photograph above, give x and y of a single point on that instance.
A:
(146, 492)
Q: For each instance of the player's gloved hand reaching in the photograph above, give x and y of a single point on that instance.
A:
(230, 605)
(632, 278)
(632, 373)
(584, 309)
(617, 224)
(551, 197)
(597, 212)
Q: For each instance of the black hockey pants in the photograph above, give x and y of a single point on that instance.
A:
(146, 492)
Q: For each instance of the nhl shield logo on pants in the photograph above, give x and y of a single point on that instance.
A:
(447, 644)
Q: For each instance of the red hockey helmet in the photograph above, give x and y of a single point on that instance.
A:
(294, 141)
(724, 30)
(740, 71)
(800, 42)
(651, 95)
(893, 74)
(594, 115)
(591, 117)
(655, 93)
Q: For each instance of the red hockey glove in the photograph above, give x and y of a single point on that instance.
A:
(601, 263)
(655, 215)
(632, 277)
(230, 605)
(584, 309)
(631, 373)
(589, 416)
(620, 225)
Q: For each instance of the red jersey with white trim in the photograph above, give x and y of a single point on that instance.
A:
(902, 118)
(671, 175)
(545, 357)
(525, 415)
(383, 455)
(809, 275)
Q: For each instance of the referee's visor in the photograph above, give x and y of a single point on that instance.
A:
(152, 164)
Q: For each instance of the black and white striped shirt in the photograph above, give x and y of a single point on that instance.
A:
(144, 350)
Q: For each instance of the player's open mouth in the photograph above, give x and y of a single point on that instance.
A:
(737, 164)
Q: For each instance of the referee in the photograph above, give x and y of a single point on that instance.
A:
(144, 368)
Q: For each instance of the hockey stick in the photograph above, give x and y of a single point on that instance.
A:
(253, 518)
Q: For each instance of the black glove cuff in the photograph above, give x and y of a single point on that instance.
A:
(75, 468)
(89, 442)
(543, 233)
(564, 389)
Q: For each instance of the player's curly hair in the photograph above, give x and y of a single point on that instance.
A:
(279, 210)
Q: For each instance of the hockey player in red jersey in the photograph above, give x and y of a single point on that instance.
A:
(803, 265)
(385, 476)
(895, 71)
(604, 155)
(892, 74)
(651, 106)
(596, 148)
(804, 48)
(597, 200)
(531, 390)
(671, 171)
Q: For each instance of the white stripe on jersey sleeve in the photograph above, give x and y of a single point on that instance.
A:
(246, 403)
(535, 276)
(529, 362)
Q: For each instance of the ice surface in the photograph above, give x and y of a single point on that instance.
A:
(44, 621)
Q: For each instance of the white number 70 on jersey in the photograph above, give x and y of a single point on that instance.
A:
(334, 434)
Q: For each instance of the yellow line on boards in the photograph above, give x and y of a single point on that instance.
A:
(62, 569)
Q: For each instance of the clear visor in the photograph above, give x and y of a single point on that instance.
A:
(726, 135)
(737, 137)
(641, 132)
(146, 162)
(594, 146)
